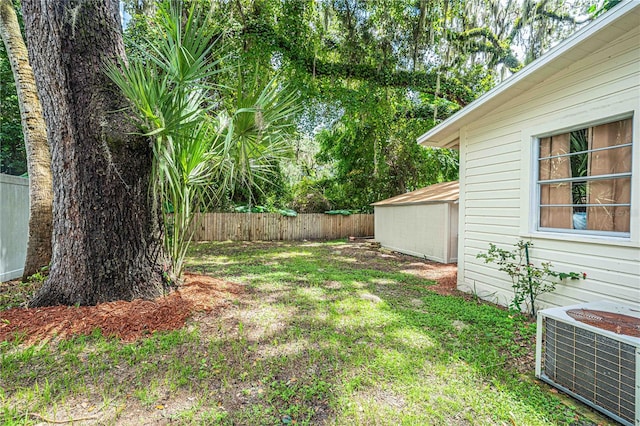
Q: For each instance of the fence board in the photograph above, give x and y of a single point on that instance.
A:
(275, 227)
(14, 225)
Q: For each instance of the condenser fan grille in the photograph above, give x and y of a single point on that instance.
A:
(592, 366)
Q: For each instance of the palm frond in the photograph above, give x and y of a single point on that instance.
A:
(200, 155)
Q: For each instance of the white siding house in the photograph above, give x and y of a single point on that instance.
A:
(519, 171)
(422, 223)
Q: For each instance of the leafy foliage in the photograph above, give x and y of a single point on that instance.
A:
(13, 158)
(310, 196)
(529, 281)
(382, 72)
(375, 156)
(202, 151)
(377, 74)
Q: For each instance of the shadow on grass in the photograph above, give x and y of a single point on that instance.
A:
(329, 333)
(389, 347)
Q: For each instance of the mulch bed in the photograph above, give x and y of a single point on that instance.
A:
(127, 321)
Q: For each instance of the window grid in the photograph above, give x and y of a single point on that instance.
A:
(586, 178)
(598, 202)
(589, 205)
(606, 148)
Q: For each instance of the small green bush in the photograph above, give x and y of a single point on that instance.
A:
(529, 281)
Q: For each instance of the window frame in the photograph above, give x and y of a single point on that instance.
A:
(536, 193)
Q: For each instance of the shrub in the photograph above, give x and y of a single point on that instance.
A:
(529, 281)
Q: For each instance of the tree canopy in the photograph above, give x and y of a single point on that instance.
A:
(374, 75)
(371, 75)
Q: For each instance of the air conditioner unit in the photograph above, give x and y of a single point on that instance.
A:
(588, 361)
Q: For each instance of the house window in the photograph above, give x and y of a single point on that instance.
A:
(584, 179)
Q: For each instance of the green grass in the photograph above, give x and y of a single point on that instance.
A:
(13, 294)
(326, 334)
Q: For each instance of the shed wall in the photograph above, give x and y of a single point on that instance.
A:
(420, 230)
(453, 233)
(496, 204)
(14, 225)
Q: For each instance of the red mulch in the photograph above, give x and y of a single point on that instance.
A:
(125, 320)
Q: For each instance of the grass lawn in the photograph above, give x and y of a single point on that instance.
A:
(326, 333)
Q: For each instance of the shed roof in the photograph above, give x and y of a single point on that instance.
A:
(590, 38)
(440, 192)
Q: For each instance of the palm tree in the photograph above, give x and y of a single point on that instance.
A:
(35, 138)
(201, 152)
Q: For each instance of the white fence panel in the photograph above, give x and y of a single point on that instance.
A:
(14, 225)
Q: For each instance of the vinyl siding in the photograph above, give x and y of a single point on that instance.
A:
(496, 175)
(423, 230)
(14, 225)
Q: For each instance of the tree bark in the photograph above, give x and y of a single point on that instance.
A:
(35, 139)
(106, 229)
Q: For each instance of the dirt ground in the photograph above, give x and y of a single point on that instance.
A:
(130, 321)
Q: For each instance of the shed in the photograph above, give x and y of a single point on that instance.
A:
(421, 223)
(520, 178)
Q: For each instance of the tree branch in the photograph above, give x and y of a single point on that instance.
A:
(423, 81)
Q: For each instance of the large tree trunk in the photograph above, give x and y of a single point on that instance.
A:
(106, 239)
(35, 139)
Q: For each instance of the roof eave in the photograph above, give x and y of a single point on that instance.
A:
(415, 203)
(451, 140)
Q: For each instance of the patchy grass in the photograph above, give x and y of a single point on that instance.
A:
(328, 333)
(14, 294)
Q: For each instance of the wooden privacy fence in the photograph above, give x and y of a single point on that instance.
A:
(276, 227)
